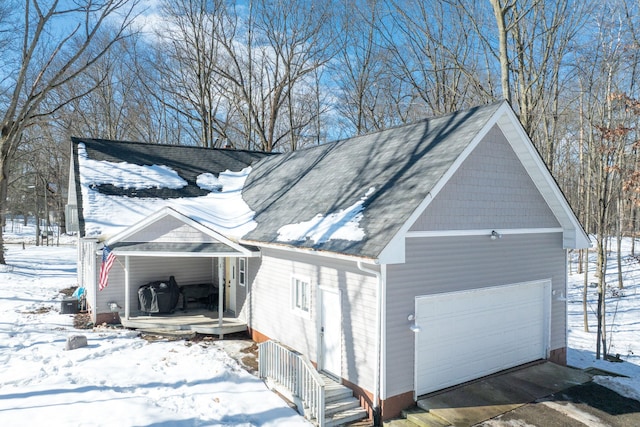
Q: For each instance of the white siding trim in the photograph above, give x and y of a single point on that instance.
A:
(383, 334)
(487, 232)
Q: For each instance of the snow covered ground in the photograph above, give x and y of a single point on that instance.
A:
(623, 321)
(119, 378)
(122, 379)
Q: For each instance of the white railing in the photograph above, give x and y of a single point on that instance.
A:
(293, 371)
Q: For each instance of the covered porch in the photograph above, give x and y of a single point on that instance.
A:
(201, 321)
(170, 248)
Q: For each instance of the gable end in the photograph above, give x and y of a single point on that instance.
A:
(491, 189)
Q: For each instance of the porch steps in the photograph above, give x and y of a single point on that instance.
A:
(341, 407)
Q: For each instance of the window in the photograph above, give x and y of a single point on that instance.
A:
(300, 296)
(242, 271)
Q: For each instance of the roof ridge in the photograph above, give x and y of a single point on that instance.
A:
(125, 142)
(400, 126)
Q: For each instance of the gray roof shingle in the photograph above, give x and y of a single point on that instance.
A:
(403, 164)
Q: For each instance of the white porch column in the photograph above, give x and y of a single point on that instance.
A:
(221, 285)
(127, 308)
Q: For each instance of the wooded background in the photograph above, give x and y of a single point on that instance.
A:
(281, 75)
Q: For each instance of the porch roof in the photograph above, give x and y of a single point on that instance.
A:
(177, 249)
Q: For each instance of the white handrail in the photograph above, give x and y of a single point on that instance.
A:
(295, 372)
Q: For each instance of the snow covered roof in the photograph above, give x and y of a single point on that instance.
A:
(119, 184)
(354, 197)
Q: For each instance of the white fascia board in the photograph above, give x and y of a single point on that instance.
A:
(169, 211)
(307, 251)
(145, 254)
(575, 236)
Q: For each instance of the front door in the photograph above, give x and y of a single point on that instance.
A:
(331, 331)
(231, 281)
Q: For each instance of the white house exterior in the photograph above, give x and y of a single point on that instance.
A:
(400, 262)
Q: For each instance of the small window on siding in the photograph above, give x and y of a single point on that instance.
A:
(300, 296)
(242, 271)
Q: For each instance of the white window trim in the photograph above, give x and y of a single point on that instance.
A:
(294, 306)
(242, 272)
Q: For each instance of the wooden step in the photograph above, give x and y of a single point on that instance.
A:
(341, 406)
(336, 393)
(345, 417)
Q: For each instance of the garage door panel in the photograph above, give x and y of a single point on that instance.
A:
(466, 335)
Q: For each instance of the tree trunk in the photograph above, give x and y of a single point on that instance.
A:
(619, 243)
(499, 13)
(585, 291)
(599, 331)
(4, 186)
(602, 257)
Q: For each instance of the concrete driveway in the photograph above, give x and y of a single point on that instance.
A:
(583, 405)
(542, 394)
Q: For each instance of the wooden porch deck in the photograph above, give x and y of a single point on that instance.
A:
(196, 320)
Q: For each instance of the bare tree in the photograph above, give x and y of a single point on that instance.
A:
(48, 58)
(435, 50)
(360, 66)
(608, 115)
(534, 39)
(185, 66)
(118, 104)
(292, 40)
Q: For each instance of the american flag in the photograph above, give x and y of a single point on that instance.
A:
(108, 259)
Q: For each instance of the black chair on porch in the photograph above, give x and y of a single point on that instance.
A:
(206, 293)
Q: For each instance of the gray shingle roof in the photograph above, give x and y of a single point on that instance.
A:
(403, 164)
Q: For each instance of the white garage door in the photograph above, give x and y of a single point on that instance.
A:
(470, 334)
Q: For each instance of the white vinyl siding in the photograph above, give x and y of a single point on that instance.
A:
(270, 311)
(447, 264)
(170, 229)
(147, 269)
(490, 190)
